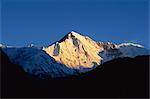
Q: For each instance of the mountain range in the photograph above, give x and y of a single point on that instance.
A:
(75, 67)
(118, 78)
(72, 55)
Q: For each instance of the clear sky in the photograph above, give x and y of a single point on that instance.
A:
(43, 22)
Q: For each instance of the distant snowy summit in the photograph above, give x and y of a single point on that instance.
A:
(72, 55)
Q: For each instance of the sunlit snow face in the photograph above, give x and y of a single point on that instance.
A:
(75, 51)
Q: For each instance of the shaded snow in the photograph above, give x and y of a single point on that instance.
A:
(56, 49)
(75, 42)
(123, 50)
(37, 62)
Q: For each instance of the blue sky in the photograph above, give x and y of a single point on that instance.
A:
(43, 22)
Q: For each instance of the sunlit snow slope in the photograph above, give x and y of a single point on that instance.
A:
(75, 51)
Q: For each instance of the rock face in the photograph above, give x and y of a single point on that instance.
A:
(75, 51)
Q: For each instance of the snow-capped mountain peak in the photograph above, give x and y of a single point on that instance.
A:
(73, 35)
(70, 35)
(75, 51)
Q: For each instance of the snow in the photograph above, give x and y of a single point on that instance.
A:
(130, 44)
(75, 42)
(123, 50)
(76, 51)
(37, 62)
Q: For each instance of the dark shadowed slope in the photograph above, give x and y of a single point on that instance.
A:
(118, 78)
(124, 77)
(13, 78)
